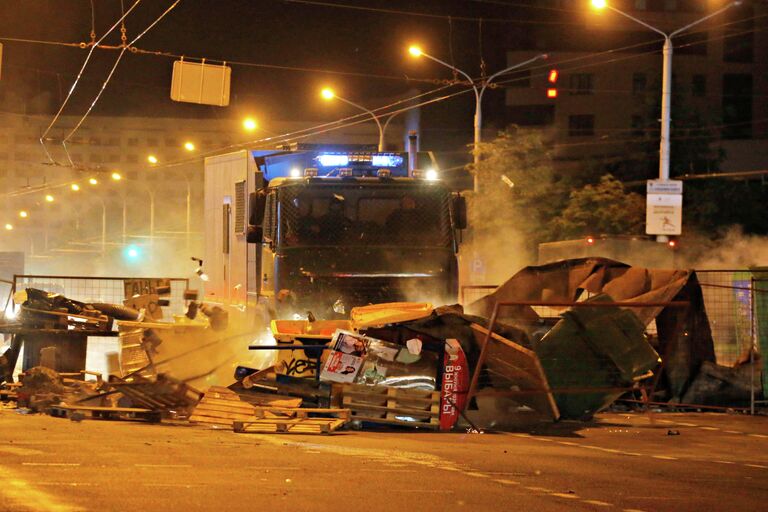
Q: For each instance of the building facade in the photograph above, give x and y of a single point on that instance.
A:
(62, 208)
(608, 85)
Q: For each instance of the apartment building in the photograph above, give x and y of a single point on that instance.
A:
(160, 202)
(608, 81)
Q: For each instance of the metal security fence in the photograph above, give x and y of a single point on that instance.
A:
(112, 290)
(728, 299)
(736, 303)
(105, 289)
(6, 290)
(472, 292)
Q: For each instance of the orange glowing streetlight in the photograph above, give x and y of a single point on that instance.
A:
(250, 124)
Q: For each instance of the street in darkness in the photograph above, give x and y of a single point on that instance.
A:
(620, 462)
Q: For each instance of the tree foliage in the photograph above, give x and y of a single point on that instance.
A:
(603, 208)
(516, 185)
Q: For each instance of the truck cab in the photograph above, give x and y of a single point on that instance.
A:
(330, 229)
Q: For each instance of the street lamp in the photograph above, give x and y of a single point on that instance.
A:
(479, 88)
(328, 95)
(250, 124)
(666, 81)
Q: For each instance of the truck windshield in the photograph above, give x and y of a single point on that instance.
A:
(354, 215)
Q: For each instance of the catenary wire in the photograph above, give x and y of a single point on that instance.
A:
(79, 74)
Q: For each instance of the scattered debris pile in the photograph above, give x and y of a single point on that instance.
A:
(573, 338)
(668, 304)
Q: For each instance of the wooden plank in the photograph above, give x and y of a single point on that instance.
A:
(95, 408)
(106, 413)
(394, 410)
(521, 368)
(226, 404)
(401, 396)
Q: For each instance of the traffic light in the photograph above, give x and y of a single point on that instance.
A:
(552, 80)
(132, 253)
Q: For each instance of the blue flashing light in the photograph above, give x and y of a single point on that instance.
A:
(333, 160)
(386, 160)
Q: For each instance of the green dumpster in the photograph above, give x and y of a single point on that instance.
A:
(594, 347)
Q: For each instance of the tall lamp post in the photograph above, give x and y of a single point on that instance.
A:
(666, 82)
(479, 87)
(328, 94)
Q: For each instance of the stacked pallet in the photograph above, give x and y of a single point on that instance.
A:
(392, 406)
(283, 420)
(221, 407)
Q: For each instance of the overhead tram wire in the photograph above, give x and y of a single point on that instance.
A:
(77, 80)
(109, 76)
(473, 19)
(556, 64)
(502, 82)
(282, 138)
(527, 6)
(162, 53)
(337, 124)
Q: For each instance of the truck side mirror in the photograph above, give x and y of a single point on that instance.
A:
(459, 212)
(254, 235)
(257, 201)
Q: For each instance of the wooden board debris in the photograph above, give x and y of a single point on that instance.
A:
(76, 412)
(221, 406)
(516, 368)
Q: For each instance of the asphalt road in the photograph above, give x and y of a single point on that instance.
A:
(620, 462)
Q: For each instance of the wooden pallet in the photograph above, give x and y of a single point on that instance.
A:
(105, 413)
(7, 395)
(392, 406)
(162, 393)
(221, 407)
(281, 420)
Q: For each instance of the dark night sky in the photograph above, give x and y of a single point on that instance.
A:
(261, 31)
(35, 77)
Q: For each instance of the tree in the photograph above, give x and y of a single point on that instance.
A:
(517, 196)
(516, 184)
(603, 208)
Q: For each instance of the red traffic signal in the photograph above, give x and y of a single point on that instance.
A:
(552, 79)
(553, 74)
